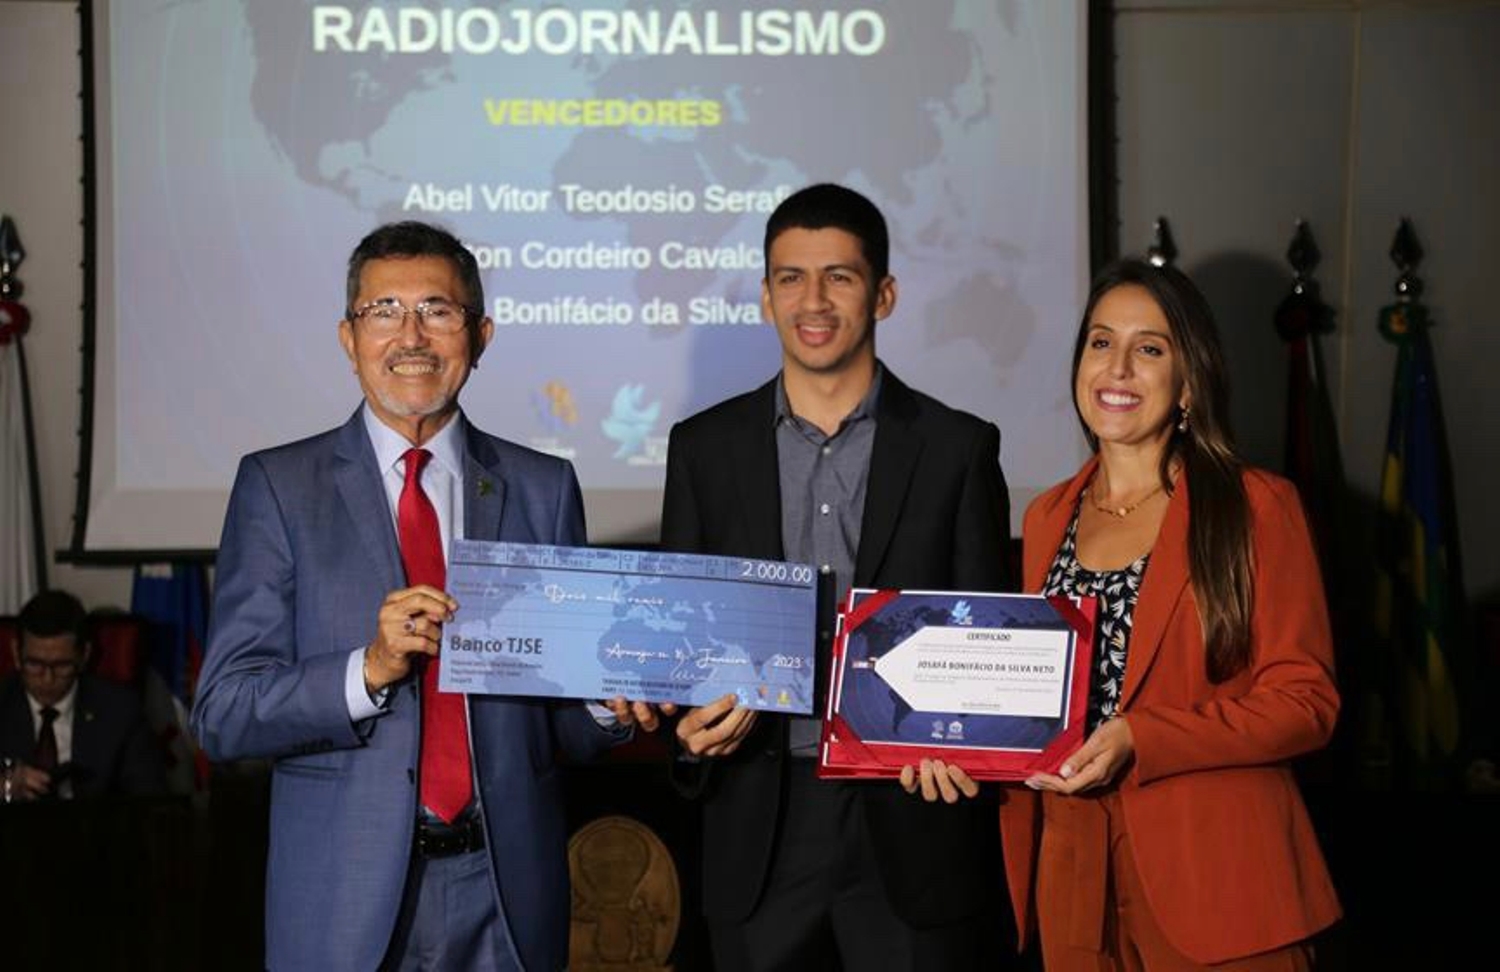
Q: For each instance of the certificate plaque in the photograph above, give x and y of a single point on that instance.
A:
(595, 623)
(996, 684)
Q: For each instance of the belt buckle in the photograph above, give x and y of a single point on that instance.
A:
(452, 839)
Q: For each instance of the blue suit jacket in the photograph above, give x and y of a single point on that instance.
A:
(308, 554)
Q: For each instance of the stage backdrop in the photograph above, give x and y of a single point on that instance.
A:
(612, 165)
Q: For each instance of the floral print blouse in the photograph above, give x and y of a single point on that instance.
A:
(1117, 591)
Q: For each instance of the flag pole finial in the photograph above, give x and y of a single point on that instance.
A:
(1302, 312)
(12, 253)
(1162, 251)
(1303, 254)
(1406, 253)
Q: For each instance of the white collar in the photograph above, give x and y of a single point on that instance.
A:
(390, 446)
(64, 705)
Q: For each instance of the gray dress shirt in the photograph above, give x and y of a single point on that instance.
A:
(823, 479)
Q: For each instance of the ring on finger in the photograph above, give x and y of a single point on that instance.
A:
(411, 625)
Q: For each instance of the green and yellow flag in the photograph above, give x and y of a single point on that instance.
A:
(1418, 596)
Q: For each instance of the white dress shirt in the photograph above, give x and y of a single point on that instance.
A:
(443, 482)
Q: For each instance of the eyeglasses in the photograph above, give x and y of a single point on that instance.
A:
(57, 669)
(437, 316)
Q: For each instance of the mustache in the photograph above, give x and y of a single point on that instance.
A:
(412, 357)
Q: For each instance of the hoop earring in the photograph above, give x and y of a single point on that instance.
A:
(1182, 421)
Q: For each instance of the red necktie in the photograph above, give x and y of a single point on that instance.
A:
(446, 782)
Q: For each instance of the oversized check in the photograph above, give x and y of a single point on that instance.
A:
(594, 623)
(995, 683)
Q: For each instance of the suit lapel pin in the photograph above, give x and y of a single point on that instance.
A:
(486, 487)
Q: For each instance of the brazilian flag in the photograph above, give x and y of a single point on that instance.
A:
(1418, 606)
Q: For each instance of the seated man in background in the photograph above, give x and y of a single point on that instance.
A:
(65, 733)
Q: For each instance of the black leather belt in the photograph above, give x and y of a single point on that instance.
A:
(437, 839)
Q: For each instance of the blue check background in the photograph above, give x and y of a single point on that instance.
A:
(653, 610)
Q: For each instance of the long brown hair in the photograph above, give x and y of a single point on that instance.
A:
(1219, 555)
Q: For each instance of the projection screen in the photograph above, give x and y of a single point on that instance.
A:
(611, 165)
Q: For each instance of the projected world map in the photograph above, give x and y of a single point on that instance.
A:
(612, 171)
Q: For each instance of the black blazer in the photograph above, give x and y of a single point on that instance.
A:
(936, 516)
(113, 750)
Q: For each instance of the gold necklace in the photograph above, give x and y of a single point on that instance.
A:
(1119, 512)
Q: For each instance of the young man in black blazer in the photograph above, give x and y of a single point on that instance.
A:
(63, 732)
(837, 463)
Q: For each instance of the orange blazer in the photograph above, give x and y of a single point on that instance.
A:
(1221, 838)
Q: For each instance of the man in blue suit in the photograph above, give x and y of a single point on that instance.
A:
(409, 828)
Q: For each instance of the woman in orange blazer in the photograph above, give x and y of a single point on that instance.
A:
(1174, 838)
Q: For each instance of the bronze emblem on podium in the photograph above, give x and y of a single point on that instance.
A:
(626, 901)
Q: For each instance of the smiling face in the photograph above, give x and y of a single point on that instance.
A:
(819, 293)
(411, 379)
(1128, 387)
